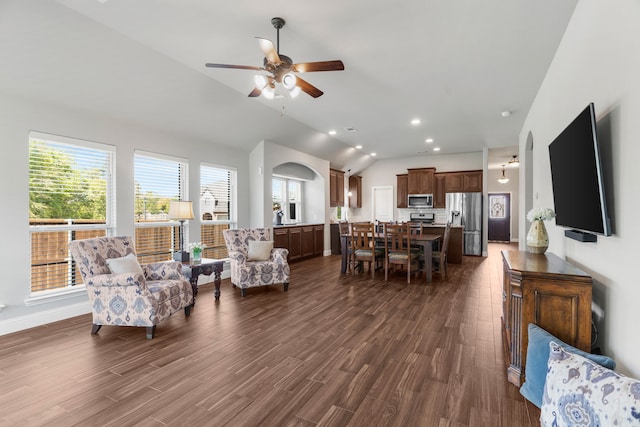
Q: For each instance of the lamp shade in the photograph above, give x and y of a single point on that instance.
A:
(180, 210)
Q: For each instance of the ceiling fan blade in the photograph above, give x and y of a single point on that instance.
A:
(255, 92)
(239, 67)
(269, 50)
(308, 88)
(307, 67)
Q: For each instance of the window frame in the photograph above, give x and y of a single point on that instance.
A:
(232, 222)
(71, 225)
(285, 205)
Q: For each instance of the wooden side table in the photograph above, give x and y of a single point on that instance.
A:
(205, 266)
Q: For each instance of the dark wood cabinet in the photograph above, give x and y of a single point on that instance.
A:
(547, 291)
(304, 241)
(318, 240)
(459, 182)
(295, 243)
(355, 191)
(336, 188)
(402, 190)
(439, 193)
(420, 180)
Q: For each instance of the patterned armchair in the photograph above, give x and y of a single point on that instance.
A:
(129, 299)
(247, 274)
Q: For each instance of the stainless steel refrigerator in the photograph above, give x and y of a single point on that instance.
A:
(466, 209)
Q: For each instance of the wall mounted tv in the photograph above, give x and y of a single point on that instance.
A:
(576, 175)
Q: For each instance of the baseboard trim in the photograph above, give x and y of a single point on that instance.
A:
(40, 318)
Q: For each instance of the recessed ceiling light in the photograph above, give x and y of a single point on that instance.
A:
(332, 132)
(429, 140)
(373, 154)
(359, 147)
(415, 122)
(505, 113)
(436, 148)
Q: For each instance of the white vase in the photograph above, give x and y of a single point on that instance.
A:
(537, 238)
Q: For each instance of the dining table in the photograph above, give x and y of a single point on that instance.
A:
(425, 241)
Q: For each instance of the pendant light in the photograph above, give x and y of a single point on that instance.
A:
(503, 179)
(514, 162)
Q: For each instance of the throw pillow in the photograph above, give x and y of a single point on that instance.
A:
(579, 392)
(126, 264)
(537, 356)
(259, 250)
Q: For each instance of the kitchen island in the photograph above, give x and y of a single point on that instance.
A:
(302, 240)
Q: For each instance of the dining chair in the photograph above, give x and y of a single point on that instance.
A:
(398, 249)
(344, 227)
(439, 258)
(363, 246)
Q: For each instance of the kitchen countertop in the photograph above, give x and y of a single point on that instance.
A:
(443, 225)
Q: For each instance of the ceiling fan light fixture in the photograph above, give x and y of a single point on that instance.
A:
(289, 81)
(294, 92)
(260, 81)
(269, 92)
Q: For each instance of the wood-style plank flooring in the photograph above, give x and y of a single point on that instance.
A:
(335, 350)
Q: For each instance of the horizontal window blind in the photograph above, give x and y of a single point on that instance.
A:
(217, 208)
(158, 180)
(70, 198)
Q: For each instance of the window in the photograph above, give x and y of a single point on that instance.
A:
(217, 208)
(287, 197)
(70, 198)
(158, 180)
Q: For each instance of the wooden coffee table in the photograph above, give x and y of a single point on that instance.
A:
(205, 266)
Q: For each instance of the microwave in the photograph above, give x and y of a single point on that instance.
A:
(420, 200)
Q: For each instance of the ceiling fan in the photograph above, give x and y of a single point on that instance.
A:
(281, 69)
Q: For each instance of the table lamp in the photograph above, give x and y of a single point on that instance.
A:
(181, 210)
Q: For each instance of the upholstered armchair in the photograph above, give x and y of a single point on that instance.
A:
(254, 261)
(124, 293)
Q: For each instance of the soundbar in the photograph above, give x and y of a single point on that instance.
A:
(580, 236)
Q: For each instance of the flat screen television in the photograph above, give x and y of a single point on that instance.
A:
(576, 175)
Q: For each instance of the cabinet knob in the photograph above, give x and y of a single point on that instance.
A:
(504, 296)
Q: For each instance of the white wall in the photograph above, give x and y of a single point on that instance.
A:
(19, 116)
(267, 156)
(598, 61)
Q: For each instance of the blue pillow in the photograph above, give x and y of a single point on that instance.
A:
(537, 358)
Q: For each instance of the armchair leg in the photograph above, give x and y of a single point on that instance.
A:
(187, 309)
(151, 331)
(243, 292)
(285, 286)
(95, 328)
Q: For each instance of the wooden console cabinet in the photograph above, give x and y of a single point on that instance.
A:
(302, 241)
(549, 292)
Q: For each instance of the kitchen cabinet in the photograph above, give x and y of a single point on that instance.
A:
(336, 188)
(402, 190)
(420, 180)
(463, 182)
(302, 241)
(355, 191)
(455, 250)
(547, 291)
(295, 243)
(439, 193)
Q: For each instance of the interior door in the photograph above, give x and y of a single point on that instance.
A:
(499, 217)
(382, 203)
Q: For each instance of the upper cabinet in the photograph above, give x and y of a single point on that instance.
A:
(420, 181)
(355, 191)
(402, 190)
(458, 182)
(439, 193)
(336, 188)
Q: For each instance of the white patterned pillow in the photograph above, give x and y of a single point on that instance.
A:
(126, 264)
(579, 392)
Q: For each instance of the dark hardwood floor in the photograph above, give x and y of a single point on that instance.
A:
(335, 350)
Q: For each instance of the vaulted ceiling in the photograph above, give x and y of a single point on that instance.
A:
(455, 65)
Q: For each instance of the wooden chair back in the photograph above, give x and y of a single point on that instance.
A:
(363, 245)
(398, 249)
(439, 258)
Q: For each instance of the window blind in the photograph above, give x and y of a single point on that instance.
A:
(158, 180)
(217, 208)
(70, 198)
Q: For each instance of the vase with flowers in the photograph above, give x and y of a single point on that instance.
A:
(537, 238)
(196, 249)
